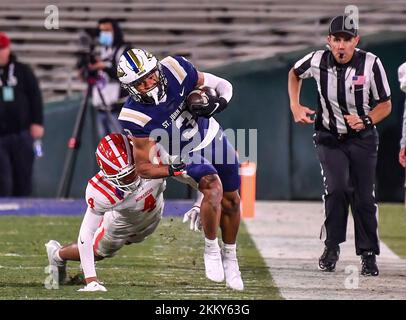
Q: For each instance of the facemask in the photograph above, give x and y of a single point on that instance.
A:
(106, 38)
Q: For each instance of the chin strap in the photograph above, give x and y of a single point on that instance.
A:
(154, 94)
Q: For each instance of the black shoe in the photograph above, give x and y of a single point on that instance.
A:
(368, 261)
(328, 259)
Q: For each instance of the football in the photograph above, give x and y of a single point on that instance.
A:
(199, 97)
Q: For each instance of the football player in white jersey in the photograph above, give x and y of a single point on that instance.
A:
(122, 209)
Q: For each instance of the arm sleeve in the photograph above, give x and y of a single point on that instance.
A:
(35, 97)
(303, 67)
(403, 140)
(379, 83)
(222, 86)
(88, 228)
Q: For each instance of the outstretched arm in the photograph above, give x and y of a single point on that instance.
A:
(145, 150)
(90, 223)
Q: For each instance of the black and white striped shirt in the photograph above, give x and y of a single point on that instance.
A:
(351, 88)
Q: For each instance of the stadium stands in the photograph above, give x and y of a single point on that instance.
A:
(209, 33)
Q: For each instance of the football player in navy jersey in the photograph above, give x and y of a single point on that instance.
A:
(199, 152)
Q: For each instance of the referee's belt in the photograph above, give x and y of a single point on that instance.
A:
(349, 135)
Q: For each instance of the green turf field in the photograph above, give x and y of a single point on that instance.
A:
(392, 227)
(168, 265)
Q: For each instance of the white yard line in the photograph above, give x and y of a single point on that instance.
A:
(286, 234)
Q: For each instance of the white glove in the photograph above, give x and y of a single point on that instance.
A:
(92, 287)
(194, 216)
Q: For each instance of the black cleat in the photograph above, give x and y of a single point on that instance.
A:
(368, 261)
(328, 259)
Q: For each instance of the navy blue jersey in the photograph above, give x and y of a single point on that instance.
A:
(200, 140)
(141, 119)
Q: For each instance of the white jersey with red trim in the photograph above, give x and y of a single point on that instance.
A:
(102, 196)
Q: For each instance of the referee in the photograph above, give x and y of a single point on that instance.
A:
(353, 96)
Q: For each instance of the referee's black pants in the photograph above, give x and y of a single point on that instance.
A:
(348, 166)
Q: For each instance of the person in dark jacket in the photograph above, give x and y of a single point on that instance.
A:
(21, 122)
(108, 96)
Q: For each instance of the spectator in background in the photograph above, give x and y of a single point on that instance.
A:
(107, 95)
(402, 81)
(21, 122)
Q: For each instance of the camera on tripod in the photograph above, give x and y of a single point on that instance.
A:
(86, 54)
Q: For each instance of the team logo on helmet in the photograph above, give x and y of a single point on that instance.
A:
(120, 72)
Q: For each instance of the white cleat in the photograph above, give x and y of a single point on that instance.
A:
(60, 266)
(214, 266)
(93, 287)
(232, 273)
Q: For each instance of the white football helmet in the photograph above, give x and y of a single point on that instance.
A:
(134, 66)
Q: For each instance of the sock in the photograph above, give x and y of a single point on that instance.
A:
(211, 245)
(230, 250)
(57, 256)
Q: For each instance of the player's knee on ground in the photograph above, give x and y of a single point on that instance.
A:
(212, 189)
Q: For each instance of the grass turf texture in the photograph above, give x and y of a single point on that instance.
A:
(392, 227)
(167, 265)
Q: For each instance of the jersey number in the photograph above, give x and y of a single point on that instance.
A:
(90, 202)
(149, 204)
(191, 124)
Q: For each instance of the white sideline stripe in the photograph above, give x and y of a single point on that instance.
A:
(175, 68)
(9, 206)
(286, 235)
(72, 268)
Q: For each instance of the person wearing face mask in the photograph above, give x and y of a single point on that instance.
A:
(107, 95)
(21, 122)
(353, 96)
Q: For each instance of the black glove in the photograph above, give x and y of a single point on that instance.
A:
(176, 169)
(207, 110)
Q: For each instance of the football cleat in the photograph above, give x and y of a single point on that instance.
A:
(232, 271)
(213, 265)
(93, 287)
(60, 266)
(369, 266)
(328, 259)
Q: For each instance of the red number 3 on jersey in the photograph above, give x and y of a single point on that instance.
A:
(149, 204)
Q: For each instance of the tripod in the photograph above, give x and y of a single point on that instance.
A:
(74, 141)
